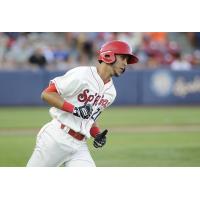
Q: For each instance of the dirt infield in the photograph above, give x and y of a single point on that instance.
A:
(120, 129)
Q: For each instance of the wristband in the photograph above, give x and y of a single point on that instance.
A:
(68, 107)
(94, 131)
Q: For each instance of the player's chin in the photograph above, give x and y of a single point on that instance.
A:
(117, 74)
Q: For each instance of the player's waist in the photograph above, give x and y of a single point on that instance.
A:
(70, 131)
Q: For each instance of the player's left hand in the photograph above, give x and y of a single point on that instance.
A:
(100, 139)
(84, 111)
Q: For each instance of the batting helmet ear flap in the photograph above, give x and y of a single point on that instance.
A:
(107, 57)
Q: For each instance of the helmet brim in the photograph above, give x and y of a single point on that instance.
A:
(132, 59)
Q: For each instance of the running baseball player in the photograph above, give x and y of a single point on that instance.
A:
(77, 99)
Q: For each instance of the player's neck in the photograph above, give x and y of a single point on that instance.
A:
(103, 73)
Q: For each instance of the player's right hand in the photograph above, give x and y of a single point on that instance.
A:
(100, 139)
(83, 111)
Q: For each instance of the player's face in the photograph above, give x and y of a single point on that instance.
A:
(120, 64)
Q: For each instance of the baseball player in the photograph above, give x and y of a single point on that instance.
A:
(77, 99)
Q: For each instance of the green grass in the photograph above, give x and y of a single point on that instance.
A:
(18, 129)
(15, 150)
(151, 116)
(168, 149)
(23, 117)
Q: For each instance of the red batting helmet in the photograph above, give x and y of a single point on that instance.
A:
(110, 49)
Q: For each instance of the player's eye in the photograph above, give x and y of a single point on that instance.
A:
(123, 57)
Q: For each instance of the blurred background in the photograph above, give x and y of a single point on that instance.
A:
(155, 120)
(59, 51)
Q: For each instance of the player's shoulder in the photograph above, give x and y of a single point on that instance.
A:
(112, 88)
(109, 88)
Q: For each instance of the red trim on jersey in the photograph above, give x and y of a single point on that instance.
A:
(51, 88)
(94, 131)
(68, 107)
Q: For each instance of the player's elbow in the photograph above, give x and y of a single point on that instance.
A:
(44, 96)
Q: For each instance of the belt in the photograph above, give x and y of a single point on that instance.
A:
(74, 134)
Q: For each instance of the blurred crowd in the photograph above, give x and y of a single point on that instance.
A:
(61, 51)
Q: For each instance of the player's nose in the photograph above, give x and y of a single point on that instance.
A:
(125, 62)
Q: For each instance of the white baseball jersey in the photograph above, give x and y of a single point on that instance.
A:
(79, 86)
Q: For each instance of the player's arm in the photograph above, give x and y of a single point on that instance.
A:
(51, 96)
(99, 137)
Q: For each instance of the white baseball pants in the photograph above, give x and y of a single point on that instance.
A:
(55, 147)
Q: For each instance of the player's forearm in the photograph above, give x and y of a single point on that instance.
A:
(94, 130)
(95, 124)
(53, 99)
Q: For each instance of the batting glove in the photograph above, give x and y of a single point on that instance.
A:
(83, 111)
(100, 139)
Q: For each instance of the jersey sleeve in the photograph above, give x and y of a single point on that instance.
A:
(70, 83)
